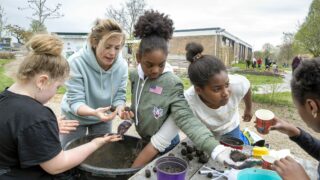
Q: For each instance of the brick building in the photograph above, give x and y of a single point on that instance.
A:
(216, 41)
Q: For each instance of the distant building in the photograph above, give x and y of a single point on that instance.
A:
(73, 41)
(216, 41)
(5, 43)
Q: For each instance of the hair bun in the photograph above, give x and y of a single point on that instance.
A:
(193, 49)
(45, 44)
(154, 23)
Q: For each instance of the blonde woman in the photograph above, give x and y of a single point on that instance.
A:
(98, 80)
(29, 134)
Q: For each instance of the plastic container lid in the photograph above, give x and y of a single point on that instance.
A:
(257, 174)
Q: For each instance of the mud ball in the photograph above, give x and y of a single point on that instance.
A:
(190, 157)
(203, 159)
(195, 148)
(148, 173)
(184, 143)
(113, 108)
(183, 152)
(209, 175)
(170, 154)
(199, 153)
(127, 108)
(154, 169)
(189, 149)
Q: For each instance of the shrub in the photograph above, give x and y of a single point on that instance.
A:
(6, 55)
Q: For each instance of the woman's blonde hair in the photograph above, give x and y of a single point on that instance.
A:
(104, 27)
(44, 56)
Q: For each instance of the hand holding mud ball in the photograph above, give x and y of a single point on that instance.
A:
(102, 114)
(126, 113)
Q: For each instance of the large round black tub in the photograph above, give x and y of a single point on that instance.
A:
(111, 161)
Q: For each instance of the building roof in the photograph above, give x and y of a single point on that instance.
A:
(71, 33)
(209, 31)
(176, 33)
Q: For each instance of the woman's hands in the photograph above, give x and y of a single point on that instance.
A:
(103, 115)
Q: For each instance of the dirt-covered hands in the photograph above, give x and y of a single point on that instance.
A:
(103, 115)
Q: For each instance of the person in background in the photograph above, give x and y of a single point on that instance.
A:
(254, 63)
(305, 87)
(98, 81)
(275, 68)
(259, 62)
(248, 62)
(267, 63)
(30, 147)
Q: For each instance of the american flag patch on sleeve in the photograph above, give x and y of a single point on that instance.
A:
(155, 89)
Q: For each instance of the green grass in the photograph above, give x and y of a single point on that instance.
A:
(61, 90)
(240, 65)
(5, 81)
(277, 98)
(186, 83)
(259, 79)
(128, 93)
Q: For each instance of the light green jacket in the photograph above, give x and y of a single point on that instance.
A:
(154, 100)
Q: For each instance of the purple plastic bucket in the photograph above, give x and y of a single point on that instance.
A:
(170, 163)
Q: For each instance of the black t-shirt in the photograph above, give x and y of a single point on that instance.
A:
(29, 136)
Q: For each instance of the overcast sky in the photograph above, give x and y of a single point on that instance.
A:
(254, 21)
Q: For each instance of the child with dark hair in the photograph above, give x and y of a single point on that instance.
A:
(158, 102)
(215, 95)
(295, 62)
(305, 87)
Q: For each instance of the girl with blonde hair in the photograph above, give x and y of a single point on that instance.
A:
(30, 147)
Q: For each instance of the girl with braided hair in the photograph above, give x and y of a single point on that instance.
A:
(215, 95)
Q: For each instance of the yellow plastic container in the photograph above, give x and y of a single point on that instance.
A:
(257, 152)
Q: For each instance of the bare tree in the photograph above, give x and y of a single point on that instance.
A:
(128, 14)
(41, 12)
(19, 33)
(3, 20)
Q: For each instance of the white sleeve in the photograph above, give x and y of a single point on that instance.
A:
(162, 139)
(239, 85)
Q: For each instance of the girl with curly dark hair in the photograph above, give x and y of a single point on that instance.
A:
(158, 102)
